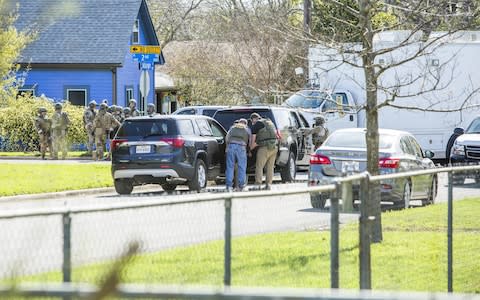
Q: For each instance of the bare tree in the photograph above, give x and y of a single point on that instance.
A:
(376, 59)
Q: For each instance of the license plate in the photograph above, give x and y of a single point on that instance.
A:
(350, 167)
(142, 149)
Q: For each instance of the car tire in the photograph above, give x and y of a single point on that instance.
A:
(407, 195)
(318, 200)
(289, 172)
(123, 186)
(432, 192)
(199, 180)
(169, 187)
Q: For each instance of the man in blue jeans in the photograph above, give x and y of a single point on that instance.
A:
(237, 140)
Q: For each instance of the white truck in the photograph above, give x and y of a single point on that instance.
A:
(449, 78)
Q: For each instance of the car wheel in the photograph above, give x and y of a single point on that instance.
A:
(169, 187)
(407, 194)
(432, 192)
(199, 180)
(123, 186)
(289, 172)
(318, 200)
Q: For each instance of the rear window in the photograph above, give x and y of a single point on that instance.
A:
(356, 140)
(209, 112)
(227, 117)
(157, 127)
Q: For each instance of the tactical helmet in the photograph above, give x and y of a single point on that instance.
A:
(105, 101)
(92, 103)
(319, 120)
(126, 110)
(151, 105)
(118, 108)
(42, 109)
(132, 101)
(103, 105)
(58, 106)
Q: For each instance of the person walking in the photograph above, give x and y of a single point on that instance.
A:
(43, 125)
(60, 123)
(319, 132)
(88, 117)
(264, 138)
(132, 104)
(237, 140)
(103, 124)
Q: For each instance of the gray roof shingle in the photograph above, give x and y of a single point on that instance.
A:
(78, 31)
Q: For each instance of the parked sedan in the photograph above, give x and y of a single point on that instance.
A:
(344, 152)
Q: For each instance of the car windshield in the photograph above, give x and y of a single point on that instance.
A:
(474, 126)
(145, 128)
(307, 99)
(346, 139)
(227, 117)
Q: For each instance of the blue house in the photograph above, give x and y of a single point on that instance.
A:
(82, 50)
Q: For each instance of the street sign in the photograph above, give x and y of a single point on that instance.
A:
(146, 65)
(140, 57)
(145, 49)
(144, 83)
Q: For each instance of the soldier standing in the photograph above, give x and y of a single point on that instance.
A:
(60, 123)
(319, 131)
(103, 124)
(132, 104)
(126, 113)
(42, 125)
(264, 136)
(151, 111)
(88, 117)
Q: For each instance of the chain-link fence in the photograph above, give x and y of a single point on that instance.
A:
(258, 238)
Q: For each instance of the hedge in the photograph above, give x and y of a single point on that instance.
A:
(17, 123)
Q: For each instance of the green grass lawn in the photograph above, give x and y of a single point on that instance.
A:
(37, 154)
(17, 179)
(413, 256)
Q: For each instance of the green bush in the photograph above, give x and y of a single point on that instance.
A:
(17, 123)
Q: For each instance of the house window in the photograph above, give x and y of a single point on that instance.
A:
(136, 33)
(128, 94)
(27, 89)
(77, 96)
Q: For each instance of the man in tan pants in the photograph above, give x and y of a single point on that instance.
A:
(264, 136)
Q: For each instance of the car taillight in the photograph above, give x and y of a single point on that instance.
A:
(389, 163)
(176, 142)
(317, 159)
(115, 143)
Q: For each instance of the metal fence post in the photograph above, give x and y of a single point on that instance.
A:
(450, 232)
(67, 247)
(228, 242)
(364, 229)
(334, 236)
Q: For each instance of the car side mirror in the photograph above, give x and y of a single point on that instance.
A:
(429, 154)
(459, 131)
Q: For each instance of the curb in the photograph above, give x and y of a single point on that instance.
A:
(57, 194)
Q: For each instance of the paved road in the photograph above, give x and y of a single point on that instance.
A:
(35, 245)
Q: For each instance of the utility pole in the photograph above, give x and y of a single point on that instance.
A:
(307, 16)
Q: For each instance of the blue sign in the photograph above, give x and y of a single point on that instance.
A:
(150, 58)
(147, 65)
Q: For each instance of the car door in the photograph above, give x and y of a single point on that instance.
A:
(337, 112)
(187, 131)
(219, 134)
(423, 181)
(211, 147)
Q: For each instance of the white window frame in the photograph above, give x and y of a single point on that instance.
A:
(128, 94)
(26, 90)
(136, 30)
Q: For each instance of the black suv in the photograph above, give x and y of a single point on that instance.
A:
(295, 145)
(168, 150)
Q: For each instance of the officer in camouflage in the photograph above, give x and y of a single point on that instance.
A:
(126, 113)
(88, 117)
(264, 136)
(103, 124)
(43, 126)
(151, 111)
(60, 123)
(132, 104)
(319, 132)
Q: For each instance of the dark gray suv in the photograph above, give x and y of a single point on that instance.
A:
(168, 150)
(295, 145)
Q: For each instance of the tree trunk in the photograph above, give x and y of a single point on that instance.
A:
(368, 59)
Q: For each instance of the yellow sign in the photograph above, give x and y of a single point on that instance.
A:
(145, 49)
